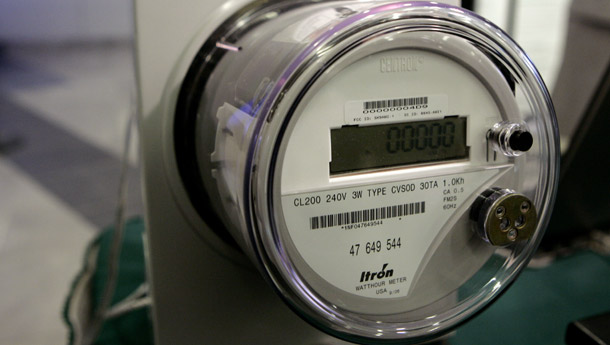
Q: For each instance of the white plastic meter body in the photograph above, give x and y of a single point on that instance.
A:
(388, 167)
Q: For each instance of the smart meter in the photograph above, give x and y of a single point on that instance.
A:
(389, 166)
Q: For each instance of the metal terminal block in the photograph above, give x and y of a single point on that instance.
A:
(502, 216)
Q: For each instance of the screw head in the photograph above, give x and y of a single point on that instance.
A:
(512, 235)
(500, 211)
(504, 224)
(520, 222)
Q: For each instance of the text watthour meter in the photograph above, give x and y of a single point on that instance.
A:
(389, 167)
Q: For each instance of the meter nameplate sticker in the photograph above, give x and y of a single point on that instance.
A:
(395, 109)
(370, 240)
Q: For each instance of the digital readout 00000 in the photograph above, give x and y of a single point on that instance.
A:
(356, 148)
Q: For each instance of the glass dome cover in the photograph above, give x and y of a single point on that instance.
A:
(416, 265)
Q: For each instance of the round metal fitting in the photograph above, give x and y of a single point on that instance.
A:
(510, 139)
(503, 216)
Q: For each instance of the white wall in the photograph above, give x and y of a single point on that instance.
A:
(62, 21)
(539, 27)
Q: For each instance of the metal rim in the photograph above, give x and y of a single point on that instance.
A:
(315, 310)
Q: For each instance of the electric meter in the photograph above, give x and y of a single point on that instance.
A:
(388, 166)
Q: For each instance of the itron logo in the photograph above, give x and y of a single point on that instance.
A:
(370, 276)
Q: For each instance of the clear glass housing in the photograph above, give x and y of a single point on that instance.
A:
(279, 76)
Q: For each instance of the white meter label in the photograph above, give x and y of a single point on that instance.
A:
(395, 109)
(373, 240)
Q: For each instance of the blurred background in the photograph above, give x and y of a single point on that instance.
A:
(67, 95)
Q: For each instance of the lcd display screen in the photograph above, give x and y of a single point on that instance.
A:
(356, 148)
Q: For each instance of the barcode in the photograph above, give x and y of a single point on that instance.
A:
(391, 103)
(352, 217)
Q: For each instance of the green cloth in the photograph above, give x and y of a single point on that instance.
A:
(135, 327)
(537, 308)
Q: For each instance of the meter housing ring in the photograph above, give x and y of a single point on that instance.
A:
(254, 183)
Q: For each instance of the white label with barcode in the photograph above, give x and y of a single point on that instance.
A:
(389, 110)
(373, 240)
